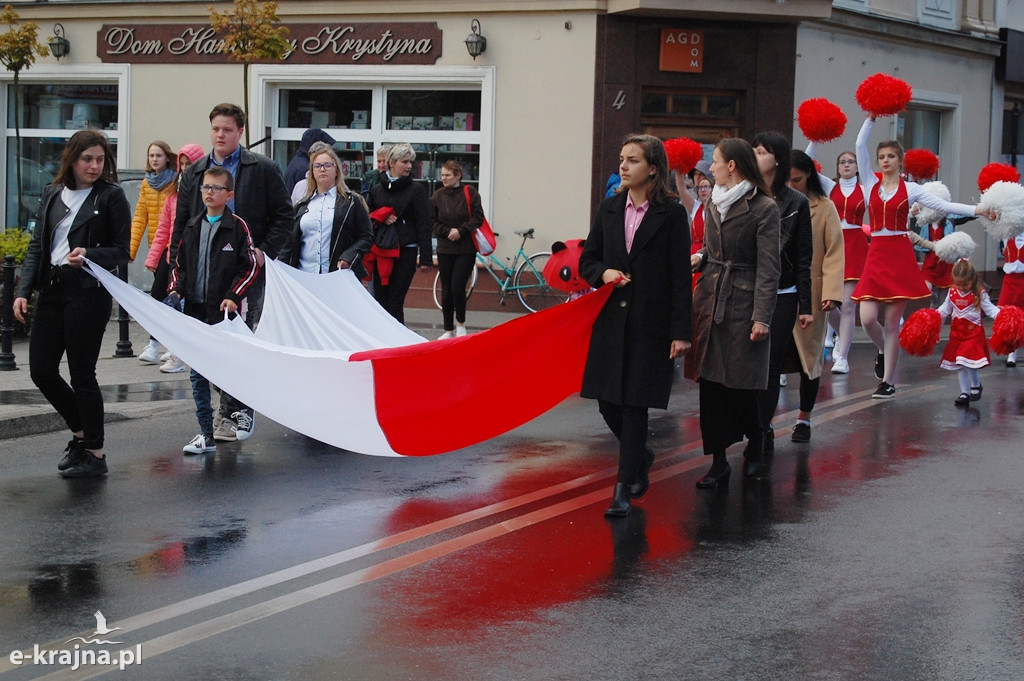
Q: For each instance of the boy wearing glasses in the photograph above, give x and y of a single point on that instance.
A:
(214, 267)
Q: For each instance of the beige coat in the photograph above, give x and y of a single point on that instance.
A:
(827, 262)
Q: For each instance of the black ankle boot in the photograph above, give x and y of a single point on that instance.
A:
(640, 487)
(619, 507)
(716, 477)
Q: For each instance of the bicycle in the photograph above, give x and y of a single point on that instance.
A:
(524, 278)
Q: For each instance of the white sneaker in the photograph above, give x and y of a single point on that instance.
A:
(173, 366)
(460, 330)
(783, 381)
(840, 365)
(166, 356)
(446, 335)
(830, 340)
(200, 444)
(151, 355)
(245, 420)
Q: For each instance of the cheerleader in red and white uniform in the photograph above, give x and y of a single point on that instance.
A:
(1012, 292)
(847, 194)
(703, 183)
(967, 349)
(891, 276)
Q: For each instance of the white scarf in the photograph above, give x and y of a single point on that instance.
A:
(722, 198)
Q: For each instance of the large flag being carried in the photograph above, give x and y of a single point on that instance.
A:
(327, 361)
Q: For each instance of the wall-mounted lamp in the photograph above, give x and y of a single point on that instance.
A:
(475, 43)
(59, 45)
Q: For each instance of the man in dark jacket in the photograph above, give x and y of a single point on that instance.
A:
(299, 165)
(261, 199)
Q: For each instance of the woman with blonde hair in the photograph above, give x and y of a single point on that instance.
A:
(332, 226)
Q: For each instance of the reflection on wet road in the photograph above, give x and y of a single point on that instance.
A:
(886, 548)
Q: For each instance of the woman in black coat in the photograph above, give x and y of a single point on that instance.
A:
(796, 246)
(332, 226)
(397, 190)
(640, 244)
(83, 214)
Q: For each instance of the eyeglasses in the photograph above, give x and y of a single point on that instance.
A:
(704, 187)
(213, 188)
(322, 166)
(847, 161)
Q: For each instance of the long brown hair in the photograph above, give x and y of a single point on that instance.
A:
(964, 271)
(79, 142)
(164, 147)
(742, 154)
(658, 188)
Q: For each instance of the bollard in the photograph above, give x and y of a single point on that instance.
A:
(124, 343)
(7, 318)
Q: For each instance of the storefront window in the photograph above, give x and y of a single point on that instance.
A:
(440, 124)
(50, 114)
(325, 108)
(920, 129)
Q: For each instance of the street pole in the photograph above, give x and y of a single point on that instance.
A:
(124, 343)
(7, 318)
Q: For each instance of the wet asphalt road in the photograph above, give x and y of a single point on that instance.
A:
(890, 547)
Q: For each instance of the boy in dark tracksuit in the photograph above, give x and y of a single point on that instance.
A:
(215, 266)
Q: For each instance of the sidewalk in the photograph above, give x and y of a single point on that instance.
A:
(132, 389)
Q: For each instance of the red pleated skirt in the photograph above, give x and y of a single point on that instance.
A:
(890, 272)
(1012, 291)
(855, 245)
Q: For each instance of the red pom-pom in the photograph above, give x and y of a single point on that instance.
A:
(1007, 330)
(921, 163)
(920, 333)
(820, 120)
(882, 95)
(683, 153)
(997, 172)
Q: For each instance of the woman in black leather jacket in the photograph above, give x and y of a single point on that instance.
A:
(332, 226)
(83, 214)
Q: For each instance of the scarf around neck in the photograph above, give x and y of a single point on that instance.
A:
(160, 180)
(723, 198)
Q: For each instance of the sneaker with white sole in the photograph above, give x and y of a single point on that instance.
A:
(840, 365)
(885, 391)
(245, 422)
(173, 366)
(200, 444)
(151, 355)
(226, 430)
(460, 330)
(166, 356)
(446, 335)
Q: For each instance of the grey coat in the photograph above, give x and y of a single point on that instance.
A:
(738, 287)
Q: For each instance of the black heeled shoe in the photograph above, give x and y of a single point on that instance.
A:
(752, 469)
(640, 487)
(620, 506)
(712, 481)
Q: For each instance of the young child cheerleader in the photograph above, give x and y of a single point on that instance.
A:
(967, 349)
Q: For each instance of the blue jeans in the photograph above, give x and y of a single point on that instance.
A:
(201, 395)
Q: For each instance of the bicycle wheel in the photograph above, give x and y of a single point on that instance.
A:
(533, 291)
(469, 286)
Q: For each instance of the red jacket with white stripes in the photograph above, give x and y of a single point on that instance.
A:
(231, 263)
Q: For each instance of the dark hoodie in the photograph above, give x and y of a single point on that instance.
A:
(299, 165)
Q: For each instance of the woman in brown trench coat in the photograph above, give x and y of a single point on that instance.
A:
(640, 244)
(733, 304)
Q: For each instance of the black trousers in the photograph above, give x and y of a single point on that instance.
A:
(629, 425)
(808, 392)
(392, 296)
(780, 337)
(69, 319)
(454, 270)
(161, 278)
(726, 415)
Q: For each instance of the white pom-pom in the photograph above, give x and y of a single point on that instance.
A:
(955, 246)
(926, 215)
(1006, 200)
